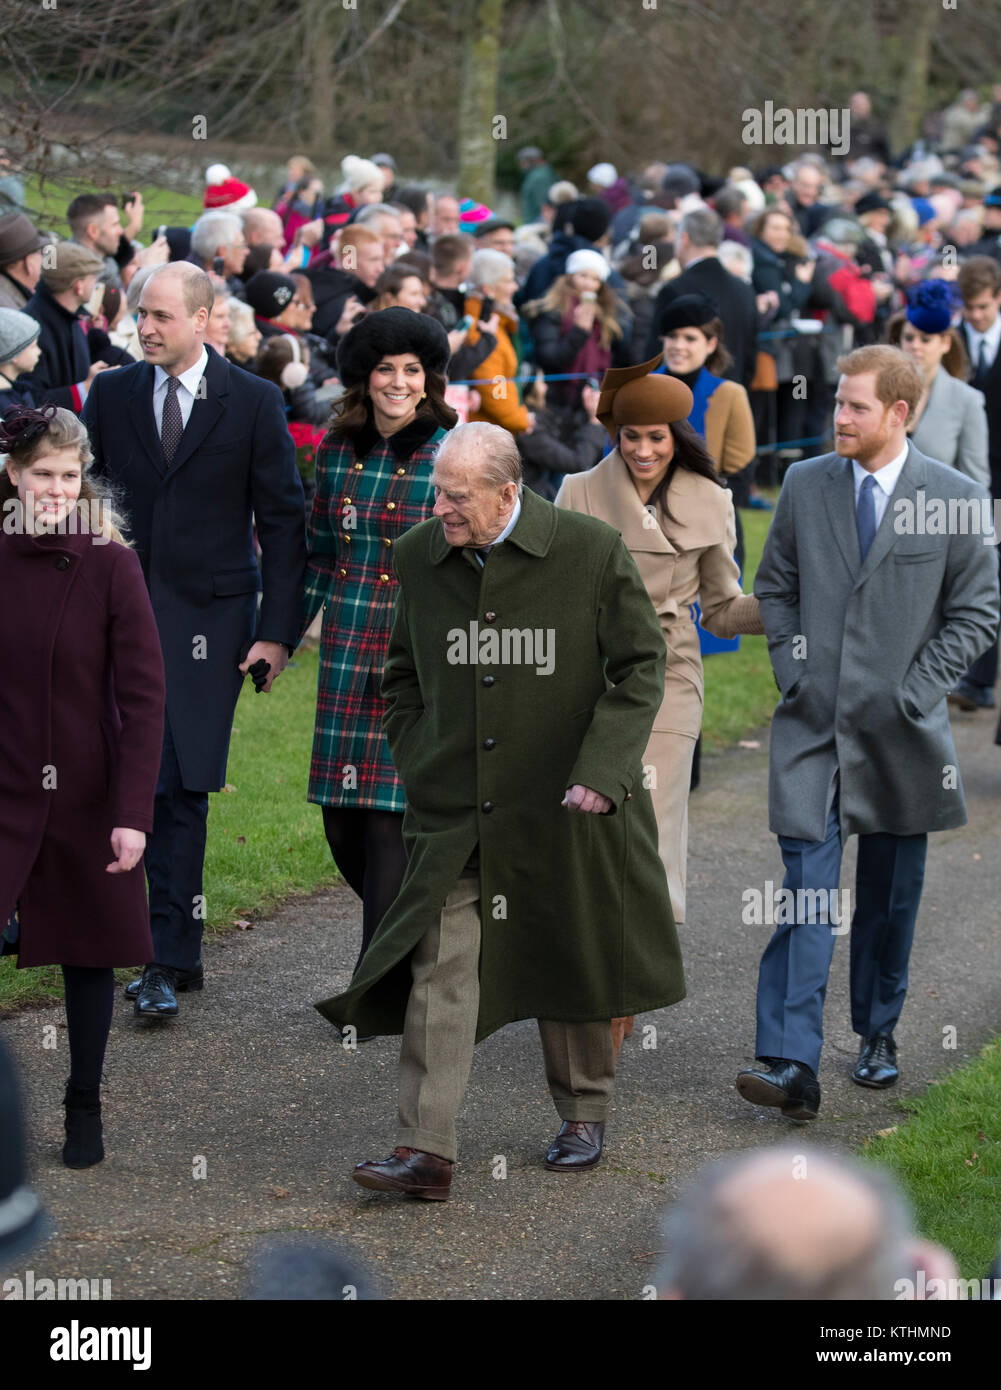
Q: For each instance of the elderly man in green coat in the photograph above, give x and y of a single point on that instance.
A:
(524, 672)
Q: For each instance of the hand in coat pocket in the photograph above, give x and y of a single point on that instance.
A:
(127, 846)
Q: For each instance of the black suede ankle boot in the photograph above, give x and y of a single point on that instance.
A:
(83, 1147)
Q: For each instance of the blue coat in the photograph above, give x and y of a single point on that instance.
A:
(193, 531)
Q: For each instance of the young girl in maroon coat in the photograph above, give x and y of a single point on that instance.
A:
(81, 727)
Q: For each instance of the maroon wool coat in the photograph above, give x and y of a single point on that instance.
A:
(82, 697)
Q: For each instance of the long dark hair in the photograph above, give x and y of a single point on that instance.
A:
(689, 452)
(354, 410)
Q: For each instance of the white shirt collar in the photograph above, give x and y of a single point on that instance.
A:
(188, 379)
(992, 338)
(886, 476)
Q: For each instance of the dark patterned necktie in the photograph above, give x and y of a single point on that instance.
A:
(172, 425)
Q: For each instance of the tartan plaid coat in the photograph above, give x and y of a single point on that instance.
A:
(369, 490)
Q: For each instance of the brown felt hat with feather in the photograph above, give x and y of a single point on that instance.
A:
(631, 396)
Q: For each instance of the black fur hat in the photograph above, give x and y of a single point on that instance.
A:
(390, 333)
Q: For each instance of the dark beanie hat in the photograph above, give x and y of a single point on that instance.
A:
(872, 202)
(929, 306)
(588, 217)
(390, 333)
(680, 179)
(269, 293)
(687, 311)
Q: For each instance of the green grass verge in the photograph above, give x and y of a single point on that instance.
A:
(265, 840)
(740, 688)
(947, 1158)
(47, 203)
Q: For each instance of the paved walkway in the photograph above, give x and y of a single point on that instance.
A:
(252, 1087)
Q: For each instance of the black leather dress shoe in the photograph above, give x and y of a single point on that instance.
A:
(410, 1171)
(877, 1062)
(156, 997)
(789, 1085)
(186, 979)
(577, 1146)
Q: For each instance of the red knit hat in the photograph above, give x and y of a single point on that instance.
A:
(224, 191)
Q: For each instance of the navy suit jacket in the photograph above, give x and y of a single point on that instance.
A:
(991, 389)
(192, 526)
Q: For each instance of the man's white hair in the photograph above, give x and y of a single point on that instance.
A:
(492, 447)
(489, 266)
(215, 229)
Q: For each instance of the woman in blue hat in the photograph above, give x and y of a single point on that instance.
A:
(950, 419)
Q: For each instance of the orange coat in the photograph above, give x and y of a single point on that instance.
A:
(499, 403)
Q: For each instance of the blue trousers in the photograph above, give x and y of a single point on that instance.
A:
(792, 979)
(175, 857)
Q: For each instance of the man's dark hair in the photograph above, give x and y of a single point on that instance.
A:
(413, 198)
(729, 200)
(85, 208)
(450, 251)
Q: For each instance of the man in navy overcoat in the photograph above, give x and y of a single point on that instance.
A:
(200, 453)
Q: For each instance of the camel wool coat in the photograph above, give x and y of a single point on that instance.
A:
(576, 916)
(680, 561)
(81, 731)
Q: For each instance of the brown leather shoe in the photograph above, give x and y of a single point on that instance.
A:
(409, 1171)
(578, 1145)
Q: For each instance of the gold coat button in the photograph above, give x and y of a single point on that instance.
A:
(399, 472)
(384, 578)
(343, 574)
(359, 467)
(346, 538)
(387, 541)
(390, 506)
(347, 502)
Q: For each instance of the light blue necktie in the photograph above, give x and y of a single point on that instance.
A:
(865, 516)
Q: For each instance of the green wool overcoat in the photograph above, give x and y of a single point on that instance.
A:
(558, 682)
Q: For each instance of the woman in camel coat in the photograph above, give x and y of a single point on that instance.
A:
(658, 488)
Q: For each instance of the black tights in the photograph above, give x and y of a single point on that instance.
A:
(90, 996)
(368, 849)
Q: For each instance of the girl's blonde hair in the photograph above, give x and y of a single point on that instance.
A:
(66, 431)
(560, 298)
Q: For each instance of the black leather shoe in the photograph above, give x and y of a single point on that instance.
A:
(186, 979)
(410, 1171)
(84, 1146)
(156, 998)
(578, 1145)
(789, 1085)
(877, 1062)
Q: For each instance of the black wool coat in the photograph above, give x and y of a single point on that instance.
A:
(193, 527)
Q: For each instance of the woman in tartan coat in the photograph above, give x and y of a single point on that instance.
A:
(373, 482)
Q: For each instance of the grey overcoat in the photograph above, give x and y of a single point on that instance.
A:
(865, 654)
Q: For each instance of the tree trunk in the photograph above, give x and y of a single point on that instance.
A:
(318, 33)
(480, 123)
(915, 52)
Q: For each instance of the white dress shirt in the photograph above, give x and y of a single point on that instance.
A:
(187, 390)
(992, 338)
(886, 478)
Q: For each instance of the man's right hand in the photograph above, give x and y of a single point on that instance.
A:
(97, 367)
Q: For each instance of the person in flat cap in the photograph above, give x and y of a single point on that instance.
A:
(660, 489)
(21, 246)
(64, 370)
(373, 482)
(19, 351)
(949, 423)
